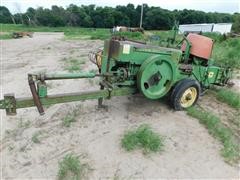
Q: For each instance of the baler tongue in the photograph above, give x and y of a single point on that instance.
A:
(40, 98)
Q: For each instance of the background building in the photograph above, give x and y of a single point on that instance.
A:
(221, 28)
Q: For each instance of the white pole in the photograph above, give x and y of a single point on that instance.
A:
(141, 16)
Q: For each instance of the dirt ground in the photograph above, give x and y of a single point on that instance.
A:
(189, 152)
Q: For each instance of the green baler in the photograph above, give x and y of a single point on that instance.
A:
(128, 67)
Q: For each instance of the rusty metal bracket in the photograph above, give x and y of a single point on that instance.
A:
(36, 98)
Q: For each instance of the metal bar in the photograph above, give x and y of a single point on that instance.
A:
(70, 97)
(187, 50)
(135, 41)
(69, 76)
(110, 49)
(100, 100)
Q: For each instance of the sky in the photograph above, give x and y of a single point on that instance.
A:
(226, 6)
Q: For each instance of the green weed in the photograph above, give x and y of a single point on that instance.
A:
(142, 137)
(226, 51)
(230, 97)
(24, 124)
(71, 168)
(35, 137)
(69, 118)
(230, 150)
(215, 36)
(73, 65)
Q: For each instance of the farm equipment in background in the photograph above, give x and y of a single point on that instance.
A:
(127, 29)
(129, 67)
(17, 35)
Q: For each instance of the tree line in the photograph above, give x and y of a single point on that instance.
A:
(107, 17)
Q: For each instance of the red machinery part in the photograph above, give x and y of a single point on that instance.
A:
(201, 46)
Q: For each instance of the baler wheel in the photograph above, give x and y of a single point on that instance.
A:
(185, 94)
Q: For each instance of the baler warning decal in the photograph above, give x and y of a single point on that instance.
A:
(126, 49)
(210, 74)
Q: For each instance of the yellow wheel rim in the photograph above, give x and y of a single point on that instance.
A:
(188, 97)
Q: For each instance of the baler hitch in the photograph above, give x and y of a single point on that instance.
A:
(40, 98)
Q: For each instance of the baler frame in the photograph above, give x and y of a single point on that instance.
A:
(123, 81)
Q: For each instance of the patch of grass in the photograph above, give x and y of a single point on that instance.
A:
(230, 97)
(230, 150)
(5, 36)
(215, 36)
(20, 27)
(142, 137)
(69, 32)
(71, 168)
(87, 33)
(73, 65)
(69, 118)
(24, 124)
(35, 137)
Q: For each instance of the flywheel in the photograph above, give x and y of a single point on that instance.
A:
(156, 76)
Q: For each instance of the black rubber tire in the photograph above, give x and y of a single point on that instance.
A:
(178, 91)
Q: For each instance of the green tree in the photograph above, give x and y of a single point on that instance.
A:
(5, 15)
(87, 21)
(107, 17)
(73, 18)
(157, 18)
(31, 16)
(236, 23)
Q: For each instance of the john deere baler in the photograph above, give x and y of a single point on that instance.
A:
(128, 67)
